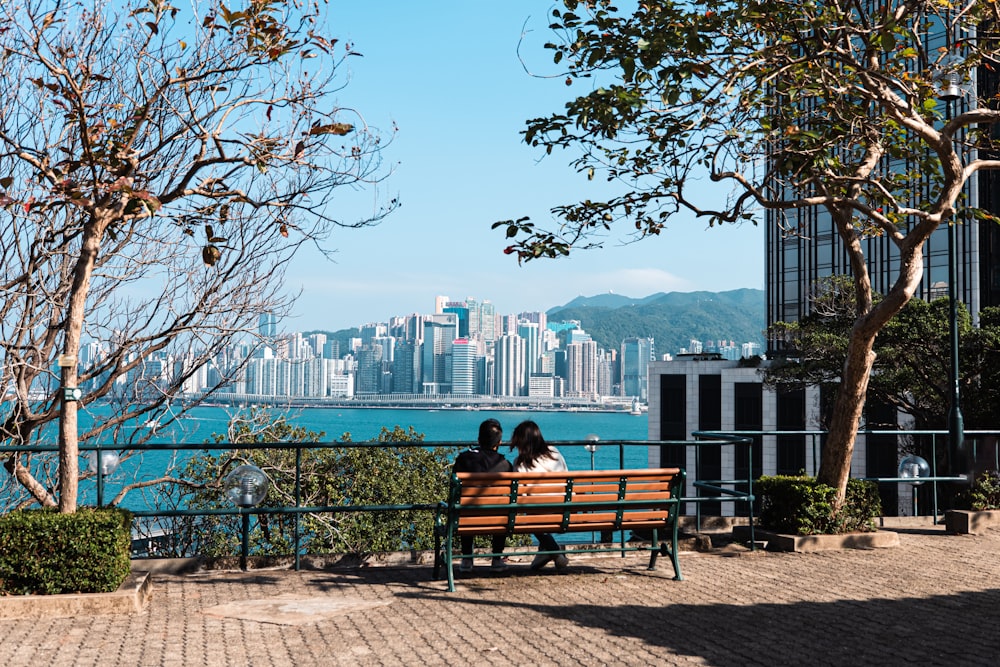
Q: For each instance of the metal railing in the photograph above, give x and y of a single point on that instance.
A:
(979, 456)
(736, 489)
(154, 514)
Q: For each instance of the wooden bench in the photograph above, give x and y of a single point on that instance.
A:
(513, 503)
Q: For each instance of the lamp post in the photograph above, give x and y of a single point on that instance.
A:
(914, 468)
(949, 90)
(246, 487)
(591, 446)
(102, 463)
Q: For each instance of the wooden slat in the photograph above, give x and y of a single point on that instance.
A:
(485, 505)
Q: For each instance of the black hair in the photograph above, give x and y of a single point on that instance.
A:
(530, 444)
(490, 434)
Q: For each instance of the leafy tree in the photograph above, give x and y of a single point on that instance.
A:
(795, 105)
(912, 364)
(159, 169)
(331, 475)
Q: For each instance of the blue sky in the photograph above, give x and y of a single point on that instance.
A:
(448, 75)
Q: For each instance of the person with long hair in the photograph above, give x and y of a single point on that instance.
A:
(535, 455)
(484, 458)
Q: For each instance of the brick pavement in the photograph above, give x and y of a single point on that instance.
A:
(935, 600)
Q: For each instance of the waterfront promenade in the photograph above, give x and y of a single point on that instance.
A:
(933, 600)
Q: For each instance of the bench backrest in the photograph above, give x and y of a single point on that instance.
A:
(550, 502)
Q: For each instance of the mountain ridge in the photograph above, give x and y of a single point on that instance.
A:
(671, 319)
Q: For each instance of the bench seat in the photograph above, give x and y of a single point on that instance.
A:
(514, 503)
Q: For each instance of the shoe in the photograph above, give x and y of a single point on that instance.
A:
(540, 561)
(561, 562)
(465, 565)
(498, 565)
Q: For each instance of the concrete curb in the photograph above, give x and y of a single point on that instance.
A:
(970, 522)
(810, 543)
(130, 598)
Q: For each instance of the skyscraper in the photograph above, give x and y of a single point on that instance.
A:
(461, 311)
(369, 375)
(406, 368)
(439, 331)
(464, 357)
(529, 331)
(636, 355)
(581, 369)
(509, 367)
(267, 325)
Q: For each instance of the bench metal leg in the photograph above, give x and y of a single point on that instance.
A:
(437, 552)
(654, 551)
(448, 543)
(673, 550)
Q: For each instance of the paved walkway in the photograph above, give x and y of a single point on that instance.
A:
(934, 600)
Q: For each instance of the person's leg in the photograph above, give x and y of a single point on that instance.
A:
(548, 543)
(545, 543)
(499, 542)
(466, 564)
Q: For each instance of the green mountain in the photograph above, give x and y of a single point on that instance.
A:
(671, 319)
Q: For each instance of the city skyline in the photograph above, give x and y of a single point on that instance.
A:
(457, 348)
(439, 304)
(462, 349)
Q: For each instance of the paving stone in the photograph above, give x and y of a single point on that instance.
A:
(934, 599)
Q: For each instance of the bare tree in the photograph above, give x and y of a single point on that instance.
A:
(830, 106)
(159, 169)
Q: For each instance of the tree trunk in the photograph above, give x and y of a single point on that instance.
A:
(835, 465)
(69, 450)
(849, 406)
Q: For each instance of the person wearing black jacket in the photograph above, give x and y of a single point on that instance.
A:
(484, 458)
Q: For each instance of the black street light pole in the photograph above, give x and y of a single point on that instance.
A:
(956, 423)
(949, 92)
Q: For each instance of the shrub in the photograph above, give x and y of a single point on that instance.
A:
(330, 476)
(800, 505)
(43, 552)
(984, 494)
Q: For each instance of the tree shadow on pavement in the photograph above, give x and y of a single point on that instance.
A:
(957, 629)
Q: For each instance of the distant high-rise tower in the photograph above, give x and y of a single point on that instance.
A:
(369, 376)
(464, 357)
(406, 368)
(508, 370)
(530, 332)
(461, 311)
(581, 369)
(636, 355)
(439, 332)
(267, 325)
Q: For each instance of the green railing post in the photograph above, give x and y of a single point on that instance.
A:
(298, 503)
(245, 550)
(100, 476)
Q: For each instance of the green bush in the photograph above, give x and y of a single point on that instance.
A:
(984, 494)
(802, 506)
(330, 476)
(43, 552)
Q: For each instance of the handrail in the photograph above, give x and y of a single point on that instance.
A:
(297, 509)
(727, 490)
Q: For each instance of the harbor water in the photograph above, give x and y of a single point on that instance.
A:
(456, 427)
